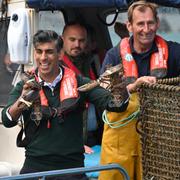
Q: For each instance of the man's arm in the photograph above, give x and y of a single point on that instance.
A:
(21, 98)
(111, 58)
(106, 99)
(9, 119)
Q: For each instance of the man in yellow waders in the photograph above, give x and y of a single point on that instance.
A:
(120, 143)
(145, 56)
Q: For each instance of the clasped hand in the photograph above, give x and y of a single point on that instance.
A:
(133, 87)
(30, 93)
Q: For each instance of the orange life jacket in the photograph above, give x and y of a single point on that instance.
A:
(69, 63)
(68, 90)
(158, 61)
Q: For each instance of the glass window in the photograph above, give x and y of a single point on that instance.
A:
(169, 26)
(122, 17)
(53, 20)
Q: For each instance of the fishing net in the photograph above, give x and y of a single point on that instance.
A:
(159, 126)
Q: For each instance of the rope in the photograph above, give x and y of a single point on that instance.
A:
(169, 84)
(169, 81)
(121, 122)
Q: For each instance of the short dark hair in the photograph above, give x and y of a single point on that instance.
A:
(43, 36)
(74, 23)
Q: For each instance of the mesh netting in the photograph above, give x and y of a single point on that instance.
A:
(160, 129)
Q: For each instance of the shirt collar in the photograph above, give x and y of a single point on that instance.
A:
(56, 80)
(154, 47)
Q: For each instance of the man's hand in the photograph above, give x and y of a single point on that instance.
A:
(133, 87)
(30, 93)
(88, 150)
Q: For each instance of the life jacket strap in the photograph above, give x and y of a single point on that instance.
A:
(52, 112)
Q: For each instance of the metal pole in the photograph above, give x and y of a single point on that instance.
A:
(69, 171)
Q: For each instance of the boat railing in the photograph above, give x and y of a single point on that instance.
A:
(71, 171)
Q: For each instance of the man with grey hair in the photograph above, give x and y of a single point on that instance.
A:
(145, 56)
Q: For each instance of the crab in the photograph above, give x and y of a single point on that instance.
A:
(112, 80)
(111, 76)
(31, 97)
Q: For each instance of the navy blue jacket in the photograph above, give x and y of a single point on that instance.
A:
(143, 60)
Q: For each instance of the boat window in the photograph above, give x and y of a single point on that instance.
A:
(122, 17)
(53, 20)
(169, 26)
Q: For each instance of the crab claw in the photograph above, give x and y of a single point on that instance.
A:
(88, 86)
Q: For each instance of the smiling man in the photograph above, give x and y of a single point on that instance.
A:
(53, 138)
(145, 56)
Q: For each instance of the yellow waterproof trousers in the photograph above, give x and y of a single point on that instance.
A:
(122, 145)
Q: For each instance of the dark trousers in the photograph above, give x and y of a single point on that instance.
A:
(64, 177)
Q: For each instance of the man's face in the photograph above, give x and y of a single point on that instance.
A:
(75, 40)
(144, 27)
(46, 57)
